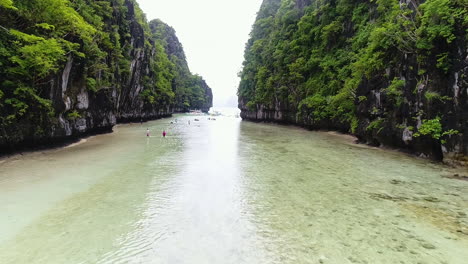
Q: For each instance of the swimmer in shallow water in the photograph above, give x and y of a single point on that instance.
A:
(147, 132)
(164, 133)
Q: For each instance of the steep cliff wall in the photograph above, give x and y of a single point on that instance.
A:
(191, 91)
(71, 68)
(392, 73)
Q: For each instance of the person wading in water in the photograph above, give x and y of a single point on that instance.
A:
(147, 132)
(164, 133)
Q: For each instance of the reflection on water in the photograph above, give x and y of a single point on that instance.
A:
(227, 191)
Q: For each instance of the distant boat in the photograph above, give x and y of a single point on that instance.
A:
(215, 113)
(195, 112)
(196, 119)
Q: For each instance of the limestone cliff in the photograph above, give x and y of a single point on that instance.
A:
(392, 73)
(71, 68)
(192, 92)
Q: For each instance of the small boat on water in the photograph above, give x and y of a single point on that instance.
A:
(196, 119)
(195, 112)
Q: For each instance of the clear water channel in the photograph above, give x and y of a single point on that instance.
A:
(228, 191)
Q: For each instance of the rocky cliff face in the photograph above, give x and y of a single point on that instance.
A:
(95, 111)
(131, 106)
(393, 74)
(115, 70)
(207, 103)
(192, 92)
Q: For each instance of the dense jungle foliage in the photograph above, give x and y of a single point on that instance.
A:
(39, 37)
(313, 57)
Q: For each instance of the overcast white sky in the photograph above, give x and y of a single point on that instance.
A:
(213, 33)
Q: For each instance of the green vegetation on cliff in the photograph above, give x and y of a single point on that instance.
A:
(190, 90)
(57, 56)
(365, 67)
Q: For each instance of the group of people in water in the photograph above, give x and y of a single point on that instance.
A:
(164, 133)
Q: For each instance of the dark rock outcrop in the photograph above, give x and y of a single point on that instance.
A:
(208, 102)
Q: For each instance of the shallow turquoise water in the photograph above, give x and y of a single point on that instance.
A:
(227, 191)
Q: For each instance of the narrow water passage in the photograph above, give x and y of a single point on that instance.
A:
(227, 191)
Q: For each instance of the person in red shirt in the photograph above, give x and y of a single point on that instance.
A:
(164, 133)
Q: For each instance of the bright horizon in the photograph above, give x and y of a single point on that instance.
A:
(213, 34)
